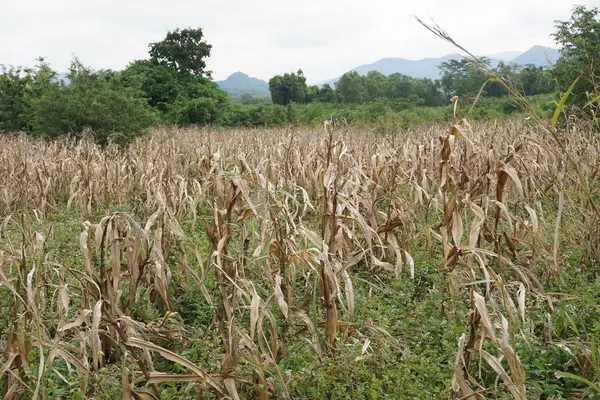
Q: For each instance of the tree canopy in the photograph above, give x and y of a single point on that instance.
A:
(579, 38)
(175, 82)
(172, 85)
(291, 87)
(183, 51)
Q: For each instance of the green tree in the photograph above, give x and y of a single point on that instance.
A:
(289, 88)
(93, 100)
(43, 80)
(509, 73)
(429, 91)
(375, 84)
(534, 80)
(14, 83)
(247, 98)
(19, 87)
(201, 111)
(200, 101)
(175, 81)
(183, 51)
(460, 77)
(291, 114)
(160, 83)
(399, 86)
(579, 38)
(325, 94)
(351, 88)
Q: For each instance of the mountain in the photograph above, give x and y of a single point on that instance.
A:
(425, 68)
(428, 67)
(239, 83)
(505, 55)
(538, 55)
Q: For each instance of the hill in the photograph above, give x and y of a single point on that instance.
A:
(425, 68)
(239, 83)
(428, 67)
(505, 55)
(538, 55)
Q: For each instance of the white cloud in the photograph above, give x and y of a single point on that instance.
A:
(264, 38)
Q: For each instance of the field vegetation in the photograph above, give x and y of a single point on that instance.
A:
(302, 264)
(456, 258)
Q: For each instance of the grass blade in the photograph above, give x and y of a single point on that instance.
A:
(561, 103)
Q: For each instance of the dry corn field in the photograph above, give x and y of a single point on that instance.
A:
(445, 262)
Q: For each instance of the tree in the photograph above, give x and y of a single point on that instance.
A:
(375, 84)
(351, 88)
(93, 100)
(203, 111)
(534, 80)
(183, 51)
(200, 101)
(175, 81)
(400, 86)
(509, 73)
(579, 38)
(19, 87)
(325, 94)
(247, 98)
(289, 88)
(460, 77)
(14, 83)
(160, 83)
(429, 92)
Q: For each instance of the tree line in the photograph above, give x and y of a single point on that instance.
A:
(172, 86)
(578, 37)
(458, 78)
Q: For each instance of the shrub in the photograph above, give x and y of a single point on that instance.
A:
(92, 101)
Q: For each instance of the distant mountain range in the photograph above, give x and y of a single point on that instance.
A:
(538, 55)
(239, 83)
(428, 67)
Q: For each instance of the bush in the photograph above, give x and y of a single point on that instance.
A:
(202, 111)
(13, 86)
(511, 106)
(92, 101)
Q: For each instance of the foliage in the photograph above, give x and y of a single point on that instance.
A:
(579, 38)
(14, 83)
(199, 102)
(248, 98)
(94, 100)
(192, 264)
(182, 50)
(460, 78)
(355, 88)
(351, 88)
(178, 90)
(380, 115)
(173, 80)
(533, 80)
(291, 87)
(324, 94)
(161, 84)
(201, 111)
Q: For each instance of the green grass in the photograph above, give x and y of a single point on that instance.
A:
(420, 316)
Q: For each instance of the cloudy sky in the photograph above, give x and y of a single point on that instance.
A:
(266, 37)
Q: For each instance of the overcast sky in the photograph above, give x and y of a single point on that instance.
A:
(266, 37)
